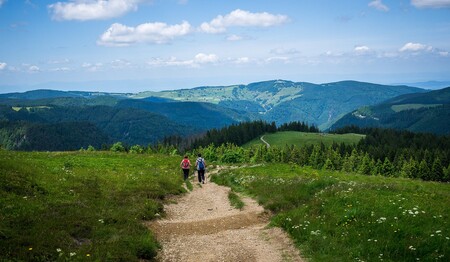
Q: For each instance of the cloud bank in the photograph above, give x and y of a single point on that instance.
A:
(242, 18)
(156, 33)
(84, 10)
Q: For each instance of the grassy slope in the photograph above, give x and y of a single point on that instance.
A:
(334, 216)
(301, 138)
(59, 206)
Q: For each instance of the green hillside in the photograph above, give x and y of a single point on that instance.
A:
(340, 216)
(82, 206)
(424, 112)
(129, 125)
(301, 138)
(286, 101)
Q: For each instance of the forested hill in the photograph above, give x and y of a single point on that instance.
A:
(284, 101)
(149, 117)
(420, 112)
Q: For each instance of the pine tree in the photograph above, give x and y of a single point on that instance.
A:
(446, 172)
(437, 172)
(328, 165)
(424, 171)
(365, 167)
(388, 168)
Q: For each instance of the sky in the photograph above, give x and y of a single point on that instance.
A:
(153, 45)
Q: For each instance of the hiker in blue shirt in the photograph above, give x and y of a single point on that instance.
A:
(201, 166)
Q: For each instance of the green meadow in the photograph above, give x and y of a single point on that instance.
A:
(300, 138)
(81, 206)
(337, 216)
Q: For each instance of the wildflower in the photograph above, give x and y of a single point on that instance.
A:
(438, 231)
(88, 255)
(315, 233)
(29, 249)
(58, 250)
(381, 220)
(72, 254)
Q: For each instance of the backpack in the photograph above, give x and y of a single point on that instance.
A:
(185, 164)
(201, 164)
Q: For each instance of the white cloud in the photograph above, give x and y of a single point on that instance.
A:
(234, 38)
(414, 47)
(242, 18)
(444, 53)
(92, 67)
(242, 60)
(197, 61)
(92, 9)
(378, 4)
(61, 69)
(2, 66)
(362, 49)
(204, 58)
(431, 3)
(120, 64)
(34, 69)
(157, 33)
(277, 59)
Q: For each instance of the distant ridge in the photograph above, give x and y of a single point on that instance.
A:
(419, 112)
(278, 100)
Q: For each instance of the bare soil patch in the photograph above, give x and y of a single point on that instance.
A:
(203, 226)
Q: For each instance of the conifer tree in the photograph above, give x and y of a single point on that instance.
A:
(437, 172)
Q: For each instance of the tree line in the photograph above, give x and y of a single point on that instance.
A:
(382, 152)
(237, 134)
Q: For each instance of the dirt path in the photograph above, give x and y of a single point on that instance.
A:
(202, 226)
(264, 141)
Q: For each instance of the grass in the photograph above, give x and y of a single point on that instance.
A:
(82, 205)
(335, 216)
(300, 138)
(235, 200)
(189, 185)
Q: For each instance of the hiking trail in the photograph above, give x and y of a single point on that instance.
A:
(203, 226)
(264, 141)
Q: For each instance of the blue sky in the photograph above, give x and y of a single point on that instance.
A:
(137, 45)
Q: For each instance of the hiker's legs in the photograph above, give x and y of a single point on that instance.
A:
(199, 172)
(201, 175)
(186, 173)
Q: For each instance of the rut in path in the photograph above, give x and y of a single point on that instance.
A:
(202, 226)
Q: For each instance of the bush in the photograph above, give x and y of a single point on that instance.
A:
(117, 147)
(136, 149)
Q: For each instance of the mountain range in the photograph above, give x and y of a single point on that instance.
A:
(147, 117)
(419, 112)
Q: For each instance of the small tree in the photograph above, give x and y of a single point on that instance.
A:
(136, 149)
(117, 147)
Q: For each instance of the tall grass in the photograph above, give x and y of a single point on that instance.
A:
(77, 206)
(235, 200)
(334, 216)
